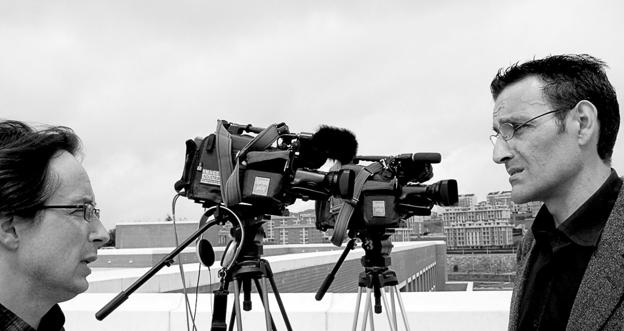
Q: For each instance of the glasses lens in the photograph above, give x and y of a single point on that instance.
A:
(493, 139)
(91, 213)
(506, 131)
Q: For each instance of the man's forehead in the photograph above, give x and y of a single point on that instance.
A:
(506, 109)
(519, 101)
(72, 184)
(499, 108)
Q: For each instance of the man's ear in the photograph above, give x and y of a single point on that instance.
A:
(586, 116)
(8, 235)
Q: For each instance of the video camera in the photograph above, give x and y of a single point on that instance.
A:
(385, 192)
(268, 171)
(262, 174)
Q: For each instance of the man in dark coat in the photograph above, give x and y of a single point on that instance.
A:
(555, 122)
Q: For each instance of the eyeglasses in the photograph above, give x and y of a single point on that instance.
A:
(90, 213)
(507, 130)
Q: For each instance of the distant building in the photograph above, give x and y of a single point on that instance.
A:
(500, 198)
(530, 208)
(503, 198)
(479, 226)
(295, 229)
(300, 228)
(466, 200)
(453, 216)
(486, 223)
(416, 224)
(480, 234)
(163, 234)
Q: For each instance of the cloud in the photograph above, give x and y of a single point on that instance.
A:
(135, 79)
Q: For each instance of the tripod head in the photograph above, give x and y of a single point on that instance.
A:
(377, 247)
(247, 236)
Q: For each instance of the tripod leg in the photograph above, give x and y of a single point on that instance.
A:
(237, 307)
(368, 311)
(279, 299)
(357, 308)
(246, 294)
(232, 317)
(388, 313)
(402, 308)
(261, 292)
(267, 311)
(394, 315)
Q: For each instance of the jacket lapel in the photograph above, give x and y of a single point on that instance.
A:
(528, 245)
(602, 286)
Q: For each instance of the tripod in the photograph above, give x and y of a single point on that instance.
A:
(246, 267)
(375, 278)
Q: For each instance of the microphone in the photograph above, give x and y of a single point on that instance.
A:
(335, 143)
(327, 143)
(205, 252)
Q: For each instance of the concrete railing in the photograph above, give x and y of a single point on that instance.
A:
(414, 258)
(464, 311)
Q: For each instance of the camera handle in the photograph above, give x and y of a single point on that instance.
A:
(330, 277)
(166, 261)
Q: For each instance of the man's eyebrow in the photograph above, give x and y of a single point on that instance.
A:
(83, 200)
(512, 118)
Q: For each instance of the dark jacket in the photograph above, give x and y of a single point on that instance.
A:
(598, 303)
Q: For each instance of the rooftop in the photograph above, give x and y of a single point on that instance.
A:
(298, 270)
(479, 311)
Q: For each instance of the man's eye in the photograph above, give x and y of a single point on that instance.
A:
(76, 211)
(522, 126)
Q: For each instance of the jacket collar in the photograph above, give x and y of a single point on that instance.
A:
(602, 287)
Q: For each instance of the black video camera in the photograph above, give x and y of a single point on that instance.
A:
(265, 169)
(386, 191)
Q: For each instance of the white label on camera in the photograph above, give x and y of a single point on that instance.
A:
(261, 186)
(210, 177)
(379, 208)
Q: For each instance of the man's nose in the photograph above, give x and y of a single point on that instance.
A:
(99, 235)
(501, 151)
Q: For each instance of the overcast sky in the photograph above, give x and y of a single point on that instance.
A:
(136, 79)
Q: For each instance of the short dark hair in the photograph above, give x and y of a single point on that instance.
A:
(567, 80)
(25, 155)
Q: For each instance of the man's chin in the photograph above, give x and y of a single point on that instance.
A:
(79, 286)
(519, 197)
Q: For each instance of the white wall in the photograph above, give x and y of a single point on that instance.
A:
(433, 311)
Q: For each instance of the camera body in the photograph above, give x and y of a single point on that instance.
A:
(201, 180)
(386, 191)
(262, 173)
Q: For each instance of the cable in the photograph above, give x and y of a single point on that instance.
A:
(242, 239)
(210, 287)
(187, 305)
(192, 313)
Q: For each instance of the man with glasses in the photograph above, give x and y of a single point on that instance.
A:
(555, 123)
(49, 226)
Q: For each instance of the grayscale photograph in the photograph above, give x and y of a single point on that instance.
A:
(311, 165)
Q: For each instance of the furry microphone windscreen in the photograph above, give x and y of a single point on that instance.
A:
(335, 143)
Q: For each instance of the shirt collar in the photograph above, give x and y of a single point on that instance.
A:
(53, 320)
(585, 225)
